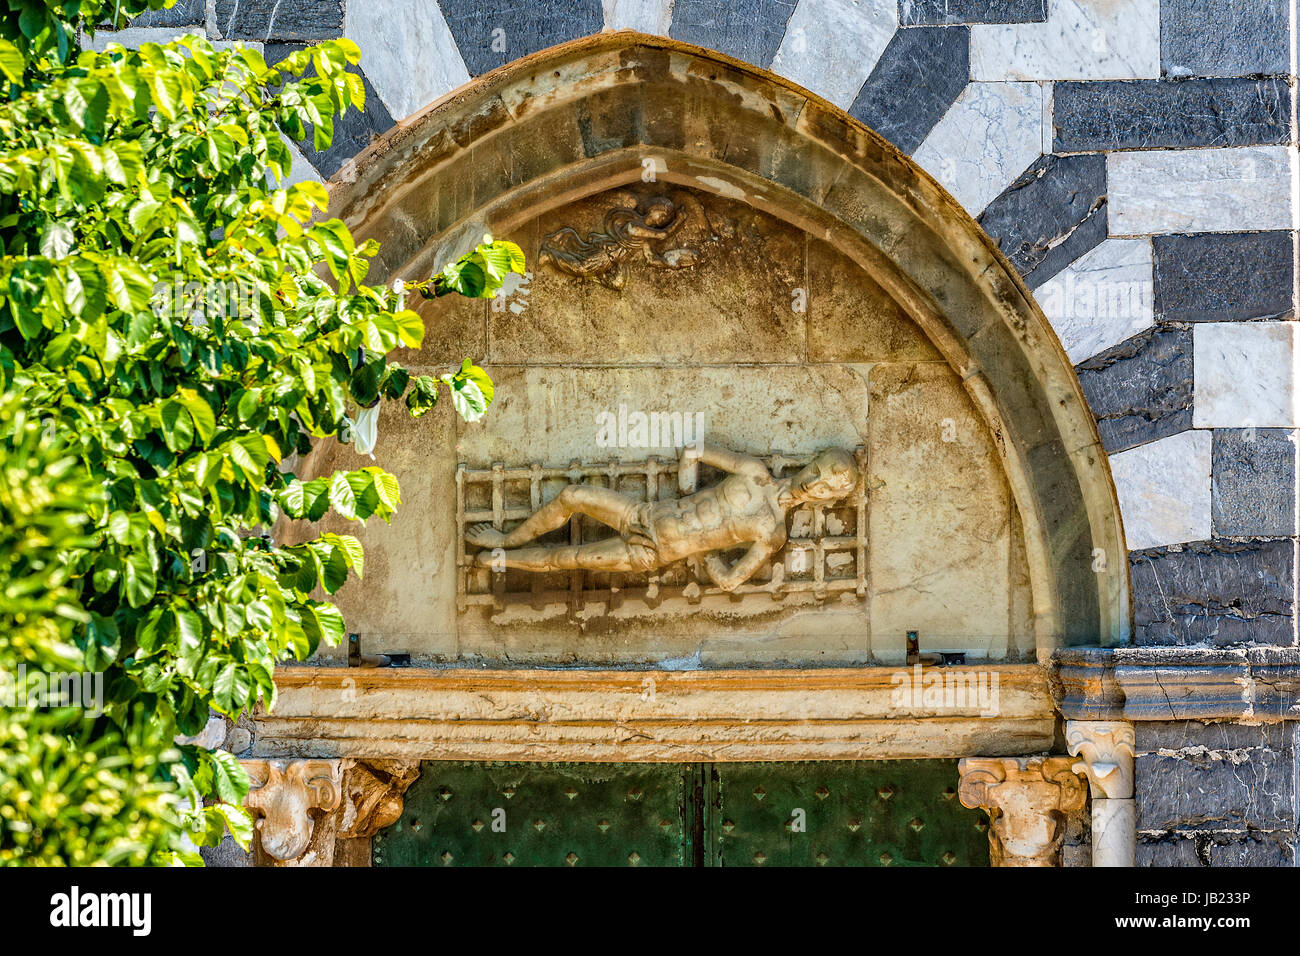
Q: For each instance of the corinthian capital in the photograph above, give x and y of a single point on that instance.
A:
(1106, 749)
(1026, 799)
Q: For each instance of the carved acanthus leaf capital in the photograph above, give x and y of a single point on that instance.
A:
(1026, 799)
(1106, 748)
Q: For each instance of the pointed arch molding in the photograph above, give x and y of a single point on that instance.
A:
(583, 117)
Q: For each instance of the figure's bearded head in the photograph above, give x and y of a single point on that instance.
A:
(831, 475)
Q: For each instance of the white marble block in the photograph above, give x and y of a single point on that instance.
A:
(407, 51)
(1244, 374)
(1080, 40)
(985, 140)
(1164, 490)
(133, 37)
(1199, 190)
(644, 16)
(1101, 298)
(831, 46)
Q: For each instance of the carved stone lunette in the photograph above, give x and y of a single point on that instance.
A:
(1027, 799)
(309, 812)
(1107, 748)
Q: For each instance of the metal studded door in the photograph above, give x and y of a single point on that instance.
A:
(862, 813)
(867, 813)
(536, 814)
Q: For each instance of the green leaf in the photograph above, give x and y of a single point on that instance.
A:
(410, 328)
(342, 499)
(205, 423)
(12, 63)
(238, 820)
(190, 629)
(177, 427)
(139, 579)
(350, 547)
(57, 241)
(231, 688)
(229, 779)
(128, 287)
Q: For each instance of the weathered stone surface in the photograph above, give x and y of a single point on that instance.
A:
(1245, 374)
(1081, 40)
(930, 461)
(1224, 37)
(407, 52)
(490, 33)
(1199, 190)
(353, 131)
(1155, 735)
(876, 196)
(1164, 490)
(946, 12)
(1198, 788)
(1100, 299)
(749, 30)
(1224, 276)
(852, 319)
(1005, 120)
(134, 37)
(1141, 389)
(831, 47)
(1151, 114)
(282, 20)
(183, 13)
(1254, 482)
(1254, 848)
(1184, 683)
(1215, 593)
(916, 79)
(1051, 215)
(644, 16)
(226, 854)
(753, 319)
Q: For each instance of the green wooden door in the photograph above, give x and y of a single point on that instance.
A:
(861, 813)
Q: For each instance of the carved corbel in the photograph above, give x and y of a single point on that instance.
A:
(323, 812)
(375, 792)
(1107, 748)
(288, 799)
(1027, 799)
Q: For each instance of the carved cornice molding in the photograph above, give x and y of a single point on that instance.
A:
(1175, 683)
(1106, 748)
(1027, 799)
(303, 807)
(608, 715)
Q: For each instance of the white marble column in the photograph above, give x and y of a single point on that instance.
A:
(1106, 751)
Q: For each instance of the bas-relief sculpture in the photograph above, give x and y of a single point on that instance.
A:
(667, 231)
(747, 509)
(667, 299)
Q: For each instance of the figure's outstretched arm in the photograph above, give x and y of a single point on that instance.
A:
(730, 578)
(727, 460)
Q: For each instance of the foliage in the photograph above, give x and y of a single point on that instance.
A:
(183, 329)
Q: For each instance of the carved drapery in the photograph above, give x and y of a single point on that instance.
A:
(323, 812)
(1106, 750)
(1027, 800)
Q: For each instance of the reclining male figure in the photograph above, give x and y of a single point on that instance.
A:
(748, 507)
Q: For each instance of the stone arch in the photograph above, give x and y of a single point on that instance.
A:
(588, 115)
